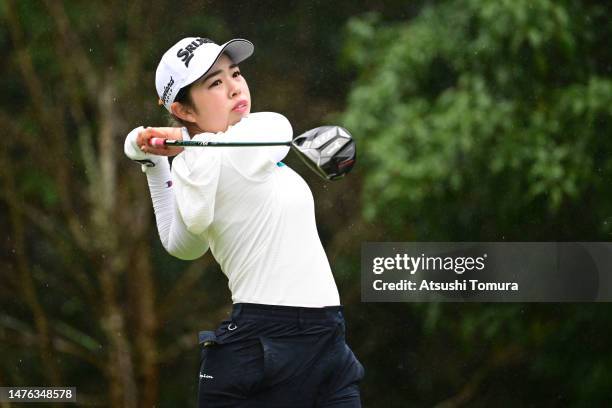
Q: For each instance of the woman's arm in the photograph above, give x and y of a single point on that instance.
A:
(255, 162)
(174, 235)
(196, 171)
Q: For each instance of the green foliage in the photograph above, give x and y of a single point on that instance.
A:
(477, 118)
(489, 120)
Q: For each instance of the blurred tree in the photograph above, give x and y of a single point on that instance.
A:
(476, 120)
(79, 284)
(87, 296)
(486, 121)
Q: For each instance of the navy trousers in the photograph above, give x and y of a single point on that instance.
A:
(279, 356)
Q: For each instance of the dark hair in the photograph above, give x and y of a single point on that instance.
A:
(184, 98)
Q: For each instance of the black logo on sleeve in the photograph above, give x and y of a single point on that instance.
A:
(186, 54)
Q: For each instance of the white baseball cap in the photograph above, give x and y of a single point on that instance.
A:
(191, 58)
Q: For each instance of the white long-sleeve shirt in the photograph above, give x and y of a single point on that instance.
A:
(256, 217)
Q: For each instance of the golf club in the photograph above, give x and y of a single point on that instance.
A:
(328, 150)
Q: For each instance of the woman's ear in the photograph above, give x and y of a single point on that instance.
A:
(183, 112)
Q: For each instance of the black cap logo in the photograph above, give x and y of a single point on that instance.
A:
(186, 54)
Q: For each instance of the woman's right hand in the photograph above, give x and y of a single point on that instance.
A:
(171, 133)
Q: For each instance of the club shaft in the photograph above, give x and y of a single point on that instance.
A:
(200, 143)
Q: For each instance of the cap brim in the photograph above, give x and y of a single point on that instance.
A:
(237, 49)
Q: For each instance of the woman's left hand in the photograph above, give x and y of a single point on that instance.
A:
(171, 133)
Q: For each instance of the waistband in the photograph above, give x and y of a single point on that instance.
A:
(261, 311)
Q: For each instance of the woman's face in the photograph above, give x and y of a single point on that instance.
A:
(221, 98)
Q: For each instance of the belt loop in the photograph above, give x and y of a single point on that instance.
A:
(299, 317)
(237, 309)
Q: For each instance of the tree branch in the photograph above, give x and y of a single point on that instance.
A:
(28, 285)
(77, 53)
(502, 358)
(48, 113)
(182, 287)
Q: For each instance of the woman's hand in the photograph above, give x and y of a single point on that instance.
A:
(172, 133)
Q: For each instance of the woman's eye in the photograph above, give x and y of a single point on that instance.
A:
(236, 74)
(217, 82)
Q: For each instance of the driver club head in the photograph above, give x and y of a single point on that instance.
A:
(328, 150)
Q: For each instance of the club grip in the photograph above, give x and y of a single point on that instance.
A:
(157, 142)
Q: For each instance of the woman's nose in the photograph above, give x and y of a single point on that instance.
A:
(235, 90)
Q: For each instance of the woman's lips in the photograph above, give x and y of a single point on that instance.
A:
(241, 106)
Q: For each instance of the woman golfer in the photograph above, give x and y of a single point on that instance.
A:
(284, 344)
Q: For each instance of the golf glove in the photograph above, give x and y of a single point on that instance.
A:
(133, 152)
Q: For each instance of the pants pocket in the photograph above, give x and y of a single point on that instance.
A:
(292, 358)
(230, 371)
(280, 360)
